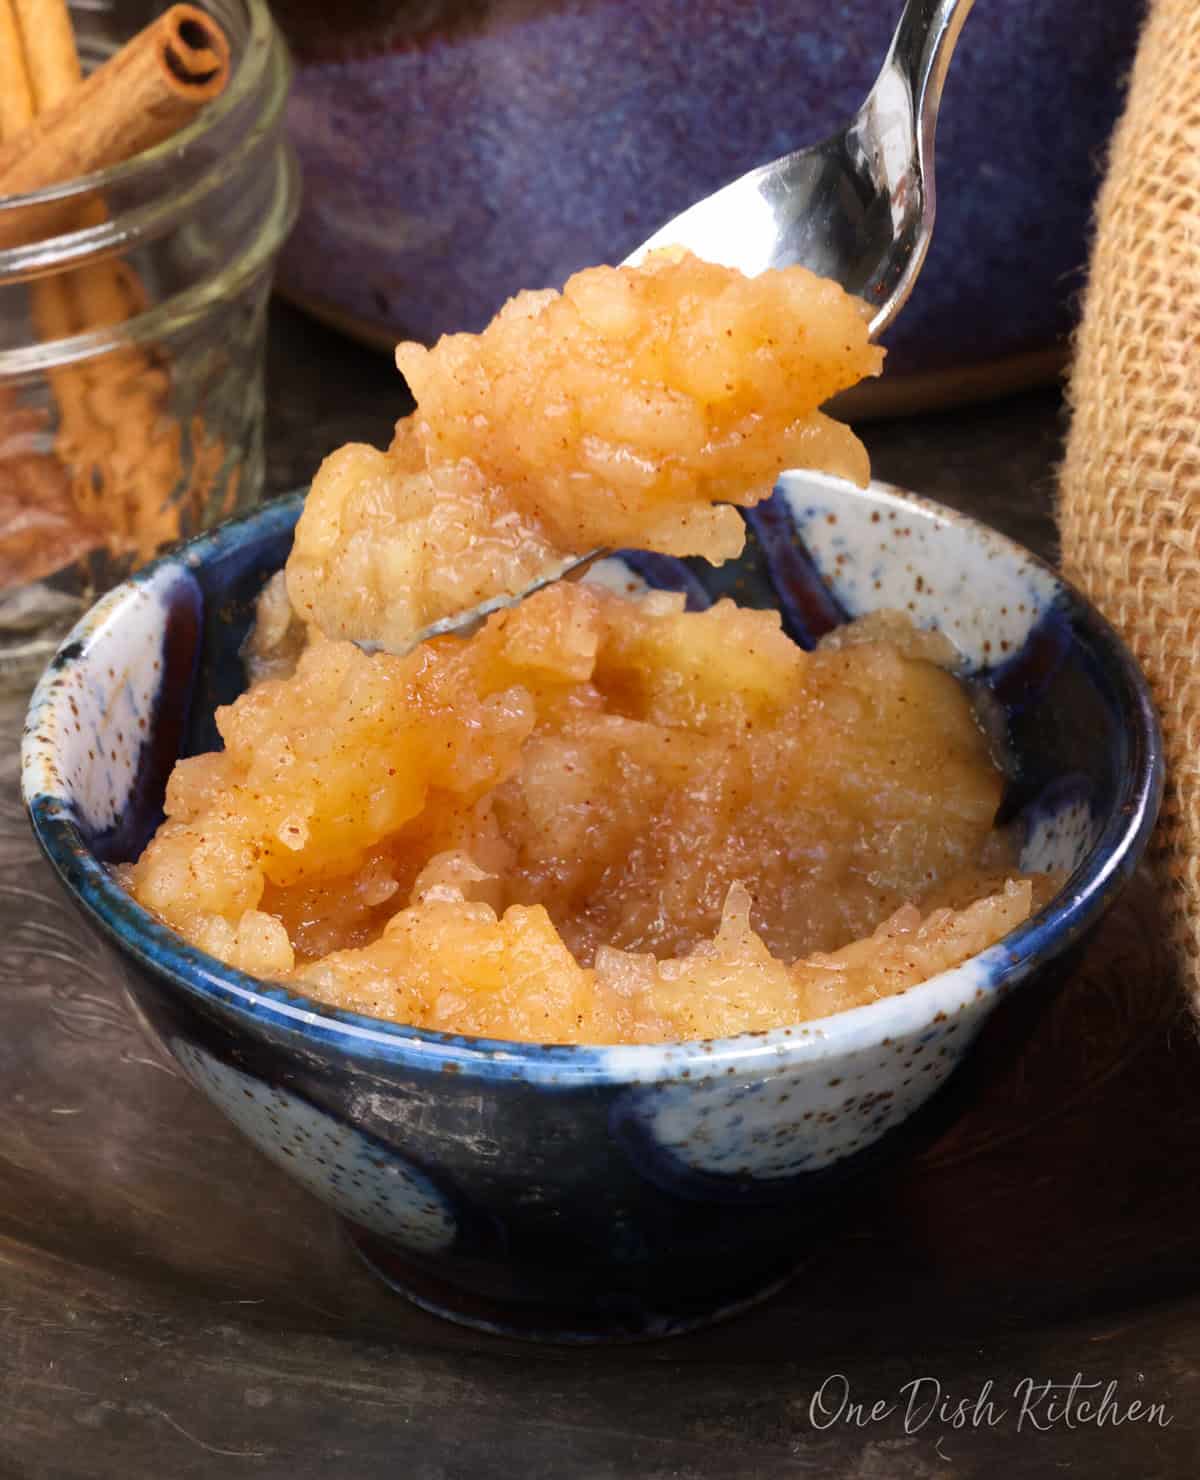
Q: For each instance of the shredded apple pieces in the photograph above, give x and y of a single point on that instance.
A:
(596, 820)
(626, 412)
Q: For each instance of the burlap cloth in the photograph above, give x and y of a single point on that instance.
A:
(1129, 509)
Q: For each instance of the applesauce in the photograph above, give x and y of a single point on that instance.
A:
(631, 410)
(599, 819)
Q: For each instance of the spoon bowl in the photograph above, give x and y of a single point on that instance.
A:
(858, 208)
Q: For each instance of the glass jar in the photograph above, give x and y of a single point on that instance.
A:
(131, 344)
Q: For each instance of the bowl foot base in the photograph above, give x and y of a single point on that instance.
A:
(618, 1317)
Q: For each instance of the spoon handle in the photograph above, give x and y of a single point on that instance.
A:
(896, 127)
(920, 53)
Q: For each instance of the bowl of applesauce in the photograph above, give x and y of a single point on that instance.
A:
(678, 918)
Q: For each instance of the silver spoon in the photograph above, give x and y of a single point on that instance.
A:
(858, 208)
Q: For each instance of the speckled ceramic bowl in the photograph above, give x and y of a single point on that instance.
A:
(579, 1193)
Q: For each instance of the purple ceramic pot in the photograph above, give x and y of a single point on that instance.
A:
(457, 150)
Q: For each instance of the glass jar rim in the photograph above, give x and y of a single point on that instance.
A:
(165, 318)
(261, 39)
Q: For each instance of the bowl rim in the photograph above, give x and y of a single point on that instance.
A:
(159, 950)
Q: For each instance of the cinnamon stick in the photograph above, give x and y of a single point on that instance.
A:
(16, 93)
(117, 440)
(52, 306)
(147, 91)
(51, 55)
(42, 527)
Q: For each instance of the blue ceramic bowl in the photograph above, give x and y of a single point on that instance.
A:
(580, 1193)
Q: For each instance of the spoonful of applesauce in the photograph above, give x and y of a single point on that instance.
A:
(857, 209)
